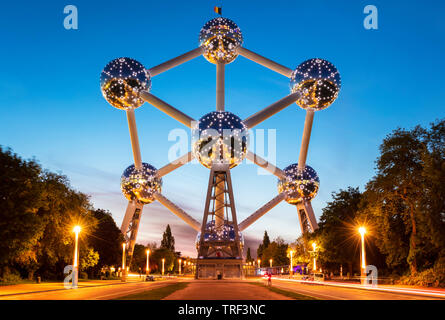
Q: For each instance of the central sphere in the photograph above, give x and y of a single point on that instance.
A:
(140, 184)
(220, 38)
(318, 81)
(220, 137)
(121, 82)
(226, 233)
(299, 185)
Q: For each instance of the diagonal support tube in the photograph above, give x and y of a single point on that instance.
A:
(176, 61)
(134, 139)
(265, 62)
(265, 165)
(175, 164)
(168, 109)
(306, 206)
(306, 138)
(261, 212)
(269, 111)
(178, 211)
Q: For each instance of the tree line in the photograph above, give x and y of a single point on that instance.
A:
(402, 208)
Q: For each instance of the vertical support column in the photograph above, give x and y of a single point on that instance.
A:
(220, 86)
(306, 138)
(134, 138)
(219, 200)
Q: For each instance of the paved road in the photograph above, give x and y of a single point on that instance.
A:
(339, 293)
(224, 290)
(197, 290)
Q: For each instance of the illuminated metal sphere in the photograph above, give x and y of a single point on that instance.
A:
(221, 137)
(319, 82)
(140, 184)
(121, 82)
(220, 38)
(299, 185)
(222, 235)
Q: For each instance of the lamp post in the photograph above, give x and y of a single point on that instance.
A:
(124, 272)
(291, 263)
(76, 257)
(314, 246)
(180, 261)
(147, 268)
(362, 232)
(270, 262)
(163, 264)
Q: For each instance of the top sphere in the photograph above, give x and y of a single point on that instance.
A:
(140, 184)
(121, 82)
(220, 38)
(222, 137)
(299, 185)
(319, 82)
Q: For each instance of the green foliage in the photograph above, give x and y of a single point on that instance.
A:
(156, 260)
(88, 259)
(277, 251)
(262, 246)
(168, 241)
(406, 199)
(248, 256)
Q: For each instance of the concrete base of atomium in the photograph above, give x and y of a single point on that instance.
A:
(219, 269)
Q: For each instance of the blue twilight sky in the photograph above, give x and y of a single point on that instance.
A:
(51, 106)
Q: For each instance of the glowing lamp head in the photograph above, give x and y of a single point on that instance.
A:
(362, 231)
(220, 38)
(299, 185)
(140, 184)
(318, 81)
(122, 81)
(77, 229)
(222, 138)
(314, 245)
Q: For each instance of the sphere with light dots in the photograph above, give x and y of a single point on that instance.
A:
(225, 233)
(299, 185)
(318, 81)
(220, 38)
(220, 137)
(122, 81)
(140, 184)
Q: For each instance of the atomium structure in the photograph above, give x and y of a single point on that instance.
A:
(221, 144)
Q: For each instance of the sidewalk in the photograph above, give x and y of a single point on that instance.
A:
(55, 286)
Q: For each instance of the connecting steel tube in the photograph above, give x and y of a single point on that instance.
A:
(306, 138)
(168, 109)
(269, 111)
(265, 62)
(175, 62)
(220, 86)
(134, 139)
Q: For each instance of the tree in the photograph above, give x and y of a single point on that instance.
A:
(168, 241)
(158, 255)
(405, 199)
(106, 239)
(277, 251)
(248, 256)
(262, 247)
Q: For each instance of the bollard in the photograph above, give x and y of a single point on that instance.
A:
(38, 279)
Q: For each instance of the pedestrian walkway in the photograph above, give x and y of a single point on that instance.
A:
(224, 290)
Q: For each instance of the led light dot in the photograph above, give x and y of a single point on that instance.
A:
(220, 38)
(225, 233)
(319, 82)
(140, 184)
(222, 137)
(121, 82)
(299, 185)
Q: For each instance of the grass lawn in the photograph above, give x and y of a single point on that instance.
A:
(156, 294)
(290, 294)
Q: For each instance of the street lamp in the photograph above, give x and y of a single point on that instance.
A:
(291, 262)
(259, 263)
(362, 232)
(163, 263)
(76, 258)
(270, 262)
(180, 266)
(314, 246)
(147, 268)
(123, 262)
